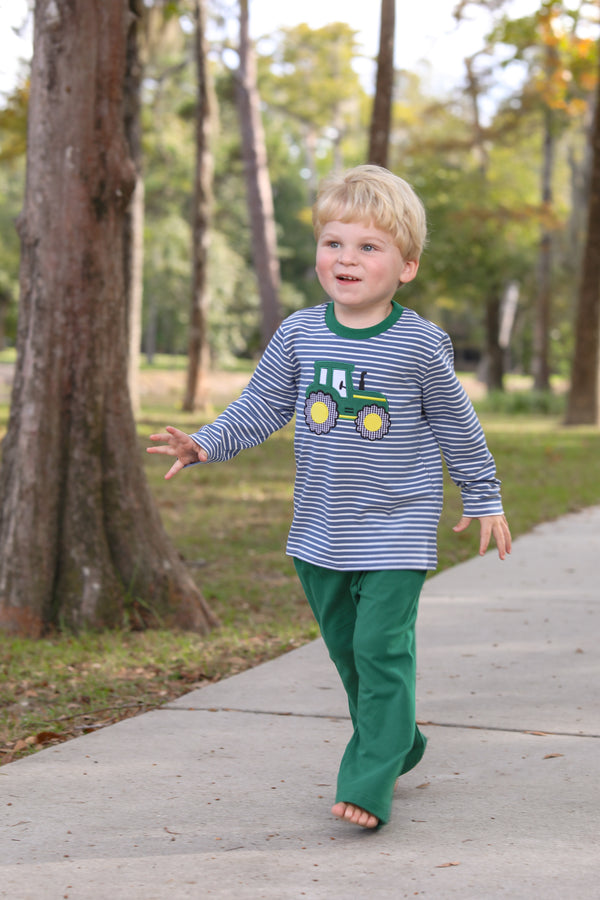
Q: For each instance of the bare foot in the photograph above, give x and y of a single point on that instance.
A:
(354, 814)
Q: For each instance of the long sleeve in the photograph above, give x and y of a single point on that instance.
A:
(265, 405)
(460, 435)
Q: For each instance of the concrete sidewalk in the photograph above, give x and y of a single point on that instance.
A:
(226, 792)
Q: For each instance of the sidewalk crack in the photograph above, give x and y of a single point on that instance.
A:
(343, 718)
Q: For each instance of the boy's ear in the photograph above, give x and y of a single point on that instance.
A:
(411, 267)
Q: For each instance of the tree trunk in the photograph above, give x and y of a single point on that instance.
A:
(134, 217)
(541, 323)
(580, 168)
(196, 393)
(494, 352)
(81, 543)
(583, 406)
(258, 184)
(381, 117)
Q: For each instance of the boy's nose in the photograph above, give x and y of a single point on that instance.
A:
(347, 256)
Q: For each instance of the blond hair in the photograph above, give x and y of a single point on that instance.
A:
(372, 194)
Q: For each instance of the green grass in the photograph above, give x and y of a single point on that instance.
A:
(523, 403)
(230, 522)
(8, 355)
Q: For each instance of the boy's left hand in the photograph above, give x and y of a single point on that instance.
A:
(489, 525)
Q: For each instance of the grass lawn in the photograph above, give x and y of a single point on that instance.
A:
(230, 522)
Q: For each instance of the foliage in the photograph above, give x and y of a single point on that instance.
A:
(316, 113)
(318, 119)
(13, 125)
(11, 187)
(522, 403)
(482, 228)
(555, 49)
(560, 60)
(500, 217)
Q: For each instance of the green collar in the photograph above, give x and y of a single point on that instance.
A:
(361, 333)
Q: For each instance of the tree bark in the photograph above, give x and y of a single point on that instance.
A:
(381, 117)
(81, 543)
(258, 184)
(583, 405)
(196, 393)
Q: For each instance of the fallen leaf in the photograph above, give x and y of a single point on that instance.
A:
(447, 865)
(553, 755)
(44, 736)
(424, 785)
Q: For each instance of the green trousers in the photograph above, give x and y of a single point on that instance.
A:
(367, 620)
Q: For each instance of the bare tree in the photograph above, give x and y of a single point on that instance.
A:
(196, 393)
(381, 116)
(583, 407)
(258, 183)
(81, 541)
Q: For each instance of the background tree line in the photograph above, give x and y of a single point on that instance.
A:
(218, 260)
(478, 166)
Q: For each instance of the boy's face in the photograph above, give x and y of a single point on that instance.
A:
(360, 268)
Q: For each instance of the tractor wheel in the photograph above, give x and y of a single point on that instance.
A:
(321, 412)
(373, 422)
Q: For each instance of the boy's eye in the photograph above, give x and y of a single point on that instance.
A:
(333, 244)
(368, 247)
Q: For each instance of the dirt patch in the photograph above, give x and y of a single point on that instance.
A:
(475, 388)
(170, 385)
(160, 384)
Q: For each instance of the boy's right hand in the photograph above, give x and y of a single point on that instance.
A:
(177, 443)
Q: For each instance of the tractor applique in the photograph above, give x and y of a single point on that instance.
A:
(332, 396)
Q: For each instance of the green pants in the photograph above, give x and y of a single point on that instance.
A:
(367, 620)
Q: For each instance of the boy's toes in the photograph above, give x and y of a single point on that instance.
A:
(355, 814)
(339, 810)
(364, 819)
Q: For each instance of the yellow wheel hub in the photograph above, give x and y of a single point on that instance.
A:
(373, 422)
(319, 412)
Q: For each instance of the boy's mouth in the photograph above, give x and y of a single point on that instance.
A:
(346, 278)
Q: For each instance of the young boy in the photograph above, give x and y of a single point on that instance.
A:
(375, 396)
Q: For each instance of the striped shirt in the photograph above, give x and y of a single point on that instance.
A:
(374, 407)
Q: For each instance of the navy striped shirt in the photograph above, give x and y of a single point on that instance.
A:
(374, 407)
